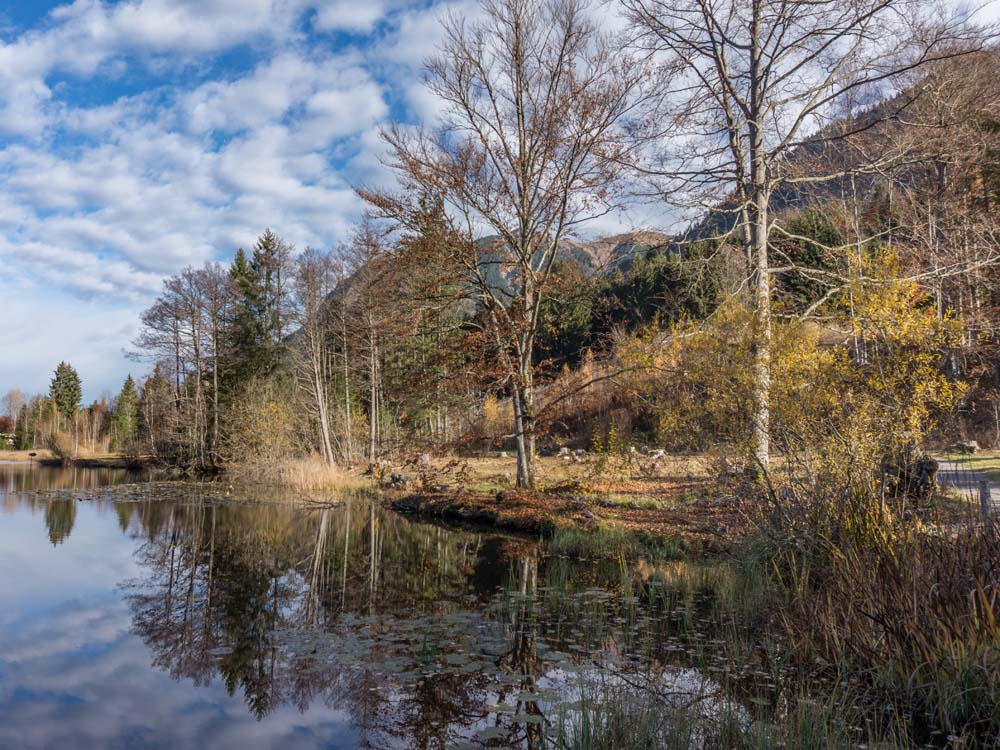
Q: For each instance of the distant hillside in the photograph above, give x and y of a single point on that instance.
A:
(596, 257)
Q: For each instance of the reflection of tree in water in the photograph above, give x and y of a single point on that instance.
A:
(398, 624)
(21, 483)
(29, 477)
(59, 518)
(362, 610)
(233, 591)
(522, 657)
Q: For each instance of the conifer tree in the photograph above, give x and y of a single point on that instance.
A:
(65, 391)
(126, 414)
(259, 318)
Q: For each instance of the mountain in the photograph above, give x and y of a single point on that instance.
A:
(596, 257)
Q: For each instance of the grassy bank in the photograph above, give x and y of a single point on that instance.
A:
(668, 498)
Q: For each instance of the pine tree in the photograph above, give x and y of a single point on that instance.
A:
(259, 315)
(245, 335)
(270, 257)
(126, 415)
(65, 391)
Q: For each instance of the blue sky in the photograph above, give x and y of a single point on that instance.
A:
(141, 136)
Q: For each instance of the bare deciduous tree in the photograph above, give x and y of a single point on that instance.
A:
(183, 331)
(314, 280)
(13, 400)
(370, 312)
(751, 87)
(216, 293)
(530, 148)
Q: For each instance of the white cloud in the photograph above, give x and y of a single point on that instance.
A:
(349, 15)
(256, 100)
(102, 195)
(39, 331)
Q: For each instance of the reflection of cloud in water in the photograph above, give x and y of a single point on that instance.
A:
(686, 691)
(78, 679)
(89, 562)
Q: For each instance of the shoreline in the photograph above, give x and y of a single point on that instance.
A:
(45, 458)
(695, 525)
(676, 510)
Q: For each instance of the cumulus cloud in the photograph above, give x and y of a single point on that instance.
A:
(349, 15)
(141, 136)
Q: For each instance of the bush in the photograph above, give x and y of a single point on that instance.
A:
(61, 445)
(840, 402)
(260, 425)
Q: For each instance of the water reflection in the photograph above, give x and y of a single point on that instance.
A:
(59, 517)
(349, 604)
(401, 634)
(21, 482)
(29, 477)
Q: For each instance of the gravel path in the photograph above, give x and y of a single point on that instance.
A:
(956, 476)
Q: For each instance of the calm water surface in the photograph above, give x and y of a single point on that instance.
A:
(170, 616)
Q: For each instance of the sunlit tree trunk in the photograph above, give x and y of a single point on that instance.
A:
(348, 427)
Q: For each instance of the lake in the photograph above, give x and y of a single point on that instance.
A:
(172, 615)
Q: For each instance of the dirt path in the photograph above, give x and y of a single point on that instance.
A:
(955, 476)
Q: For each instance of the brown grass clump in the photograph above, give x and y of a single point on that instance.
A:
(921, 613)
(306, 475)
(910, 610)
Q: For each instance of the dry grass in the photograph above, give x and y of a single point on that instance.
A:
(916, 615)
(41, 454)
(307, 475)
(44, 454)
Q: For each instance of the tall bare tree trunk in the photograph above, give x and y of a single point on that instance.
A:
(759, 237)
(524, 418)
(319, 390)
(215, 389)
(199, 396)
(762, 341)
(348, 428)
(372, 393)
